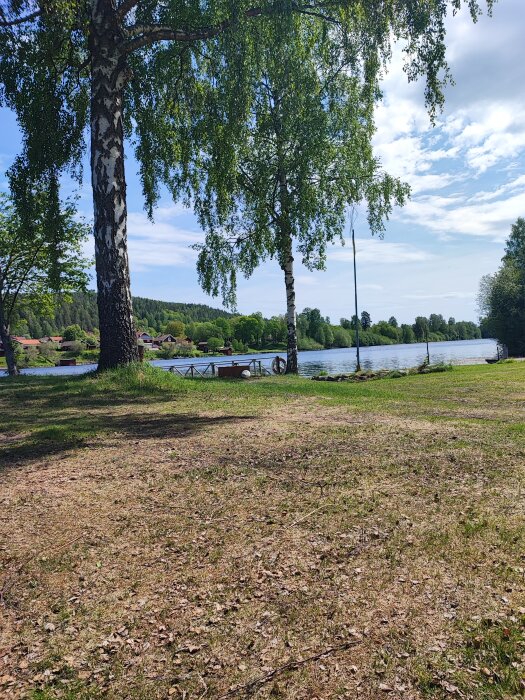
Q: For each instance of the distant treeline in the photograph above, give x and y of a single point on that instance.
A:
(82, 311)
(204, 323)
(316, 331)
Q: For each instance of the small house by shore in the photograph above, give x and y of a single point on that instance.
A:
(51, 339)
(26, 343)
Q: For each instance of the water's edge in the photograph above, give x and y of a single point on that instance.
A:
(337, 360)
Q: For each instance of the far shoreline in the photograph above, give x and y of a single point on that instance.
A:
(374, 360)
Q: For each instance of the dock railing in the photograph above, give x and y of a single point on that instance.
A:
(256, 367)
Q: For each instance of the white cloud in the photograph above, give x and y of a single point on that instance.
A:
(160, 243)
(487, 196)
(378, 251)
(481, 130)
(143, 255)
(481, 215)
(140, 228)
(306, 280)
(443, 295)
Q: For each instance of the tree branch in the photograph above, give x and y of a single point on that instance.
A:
(21, 282)
(147, 34)
(313, 13)
(126, 7)
(257, 683)
(19, 20)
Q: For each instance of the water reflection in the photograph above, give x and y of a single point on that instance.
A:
(344, 360)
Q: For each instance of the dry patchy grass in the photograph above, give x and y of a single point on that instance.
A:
(162, 538)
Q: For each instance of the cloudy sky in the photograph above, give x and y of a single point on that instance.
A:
(468, 185)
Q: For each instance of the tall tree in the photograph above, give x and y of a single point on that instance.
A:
(515, 244)
(181, 69)
(305, 158)
(37, 261)
(420, 328)
(366, 321)
(502, 295)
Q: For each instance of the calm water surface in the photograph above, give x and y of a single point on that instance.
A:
(339, 360)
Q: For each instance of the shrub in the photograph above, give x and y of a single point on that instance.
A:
(186, 351)
(167, 351)
(305, 343)
(170, 350)
(74, 332)
(48, 352)
(239, 346)
(75, 349)
(26, 358)
(215, 343)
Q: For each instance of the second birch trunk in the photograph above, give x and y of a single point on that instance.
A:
(291, 311)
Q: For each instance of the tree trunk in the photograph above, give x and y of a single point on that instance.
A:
(286, 259)
(12, 369)
(118, 343)
(291, 312)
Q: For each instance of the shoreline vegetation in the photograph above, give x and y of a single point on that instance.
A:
(90, 357)
(163, 537)
(215, 328)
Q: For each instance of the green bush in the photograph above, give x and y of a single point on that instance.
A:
(48, 352)
(239, 346)
(74, 332)
(215, 343)
(75, 349)
(27, 358)
(170, 350)
(305, 343)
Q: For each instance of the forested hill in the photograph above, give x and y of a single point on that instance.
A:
(204, 323)
(83, 311)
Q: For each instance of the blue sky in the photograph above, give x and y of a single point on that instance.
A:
(468, 183)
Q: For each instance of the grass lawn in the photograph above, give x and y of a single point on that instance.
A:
(278, 538)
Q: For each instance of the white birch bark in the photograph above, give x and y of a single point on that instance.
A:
(291, 313)
(118, 343)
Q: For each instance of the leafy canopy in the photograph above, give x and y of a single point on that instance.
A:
(502, 295)
(304, 156)
(41, 259)
(188, 69)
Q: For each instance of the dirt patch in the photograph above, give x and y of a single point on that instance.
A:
(295, 551)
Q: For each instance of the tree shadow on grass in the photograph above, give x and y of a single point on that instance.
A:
(91, 431)
(26, 403)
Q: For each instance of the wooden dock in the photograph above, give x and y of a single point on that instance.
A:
(222, 368)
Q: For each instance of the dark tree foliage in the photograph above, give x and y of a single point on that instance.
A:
(83, 311)
(366, 321)
(502, 295)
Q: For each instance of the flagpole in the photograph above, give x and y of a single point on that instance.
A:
(358, 368)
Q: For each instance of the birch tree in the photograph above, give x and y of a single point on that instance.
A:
(38, 261)
(173, 77)
(306, 156)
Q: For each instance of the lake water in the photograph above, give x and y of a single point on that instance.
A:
(340, 360)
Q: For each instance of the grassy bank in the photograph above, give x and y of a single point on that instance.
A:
(85, 357)
(278, 538)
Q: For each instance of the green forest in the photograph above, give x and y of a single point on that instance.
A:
(204, 323)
